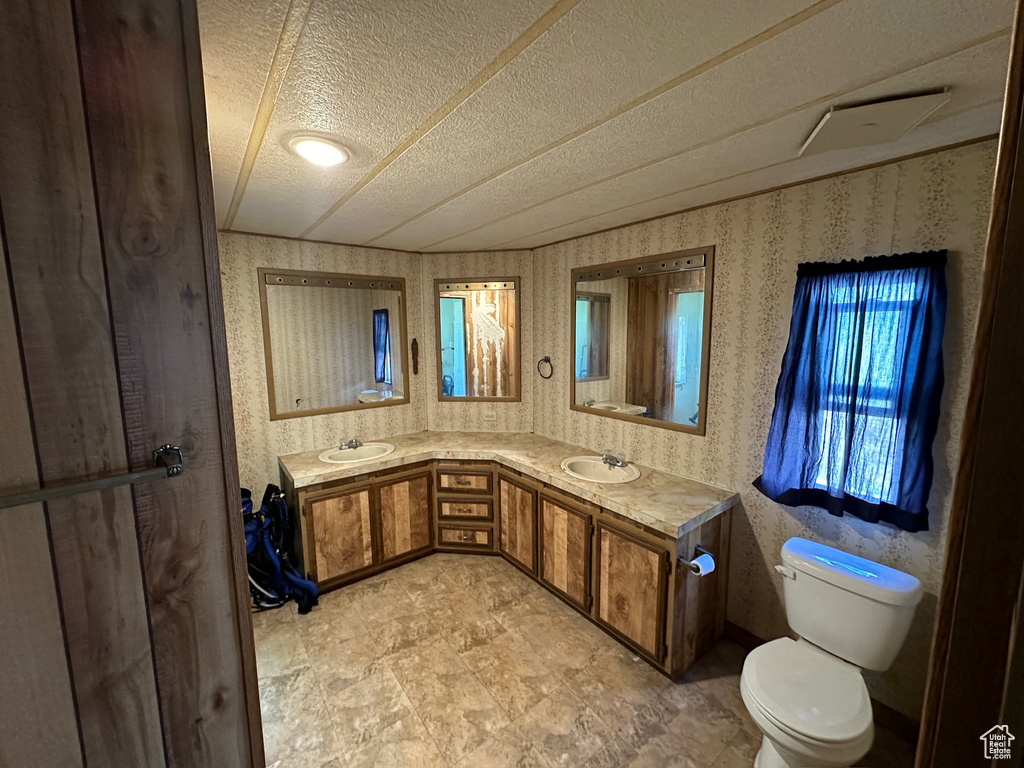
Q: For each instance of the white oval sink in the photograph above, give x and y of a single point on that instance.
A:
(605, 407)
(364, 452)
(596, 471)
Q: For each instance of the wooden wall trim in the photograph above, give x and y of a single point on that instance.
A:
(977, 604)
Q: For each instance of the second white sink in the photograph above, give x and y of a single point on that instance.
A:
(592, 468)
(364, 452)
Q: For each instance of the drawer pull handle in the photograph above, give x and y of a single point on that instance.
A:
(463, 510)
(460, 481)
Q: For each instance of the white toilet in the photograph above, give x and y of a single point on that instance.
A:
(807, 696)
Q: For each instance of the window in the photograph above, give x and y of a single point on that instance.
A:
(856, 407)
(381, 347)
(593, 312)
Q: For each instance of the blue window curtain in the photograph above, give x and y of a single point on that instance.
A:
(857, 403)
(381, 351)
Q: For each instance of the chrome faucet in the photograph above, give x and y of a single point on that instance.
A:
(589, 403)
(349, 444)
(614, 461)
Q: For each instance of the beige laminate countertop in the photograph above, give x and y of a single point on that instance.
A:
(664, 502)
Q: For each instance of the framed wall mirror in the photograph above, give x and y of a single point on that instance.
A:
(477, 324)
(641, 332)
(333, 342)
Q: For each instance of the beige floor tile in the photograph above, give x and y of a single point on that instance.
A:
(460, 660)
(564, 729)
(364, 710)
(506, 749)
(308, 761)
(403, 743)
(340, 664)
(517, 679)
(279, 650)
(616, 687)
(295, 718)
(402, 634)
(426, 670)
(460, 717)
(615, 754)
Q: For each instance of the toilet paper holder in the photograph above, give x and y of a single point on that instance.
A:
(691, 565)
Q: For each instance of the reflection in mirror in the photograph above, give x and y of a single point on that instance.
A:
(478, 339)
(332, 342)
(640, 336)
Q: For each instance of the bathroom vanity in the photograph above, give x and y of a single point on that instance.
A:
(608, 550)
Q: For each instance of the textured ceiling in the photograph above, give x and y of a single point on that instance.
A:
(479, 124)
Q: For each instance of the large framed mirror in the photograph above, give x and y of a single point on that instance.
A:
(333, 342)
(477, 325)
(641, 335)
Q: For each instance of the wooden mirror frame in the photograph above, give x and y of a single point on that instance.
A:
(517, 379)
(348, 281)
(660, 264)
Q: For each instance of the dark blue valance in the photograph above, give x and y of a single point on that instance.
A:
(857, 403)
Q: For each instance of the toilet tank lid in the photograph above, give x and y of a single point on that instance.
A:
(854, 574)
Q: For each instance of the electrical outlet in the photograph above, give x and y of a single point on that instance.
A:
(490, 416)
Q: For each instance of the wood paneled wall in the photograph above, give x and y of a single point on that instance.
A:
(651, 338)
(492, 359)
(128, 636)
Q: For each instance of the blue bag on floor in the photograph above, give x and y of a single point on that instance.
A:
(273, 580)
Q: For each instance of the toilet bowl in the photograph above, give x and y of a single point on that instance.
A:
(808, 696)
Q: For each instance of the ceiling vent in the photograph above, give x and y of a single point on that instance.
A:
(878, 122)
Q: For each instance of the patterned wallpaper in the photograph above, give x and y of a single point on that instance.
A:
(936, 201)
(260, 440)
(939, 200)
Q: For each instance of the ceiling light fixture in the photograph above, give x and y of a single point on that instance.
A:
(318, 151)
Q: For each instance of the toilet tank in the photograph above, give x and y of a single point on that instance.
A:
(853, 608)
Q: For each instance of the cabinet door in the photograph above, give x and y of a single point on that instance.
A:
(517, 521)
(631, 588)
(565, 550)
(342, 541)
(405, 515)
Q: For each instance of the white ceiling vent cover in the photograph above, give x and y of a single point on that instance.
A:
(877, 123)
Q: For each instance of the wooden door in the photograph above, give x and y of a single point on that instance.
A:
(405, 524)
(631, 589)
(517, 522)
(342, 533)
(125, 631)
(565, 544)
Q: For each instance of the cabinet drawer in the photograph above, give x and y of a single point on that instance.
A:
(479, 538)
(481, 509)
(471, 481)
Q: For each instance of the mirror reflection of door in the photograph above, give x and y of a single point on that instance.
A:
(453, 346)
(689, 320)
(640, 333)
(478, 339)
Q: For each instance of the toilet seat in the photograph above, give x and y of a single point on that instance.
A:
(808, 694)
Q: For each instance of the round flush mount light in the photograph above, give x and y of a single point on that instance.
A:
(318, 151)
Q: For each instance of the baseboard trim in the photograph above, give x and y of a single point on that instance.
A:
(903, 726)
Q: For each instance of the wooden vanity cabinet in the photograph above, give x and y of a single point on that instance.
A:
(621, 574)
(405, 520)
(339, 529)
(564, 547)
(517, 521)
(349, 529)
(632, 589)
(465, 506)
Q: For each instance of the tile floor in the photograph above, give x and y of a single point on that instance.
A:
(461, 660)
